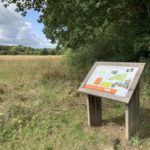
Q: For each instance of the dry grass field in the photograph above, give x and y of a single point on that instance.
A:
(40, 109)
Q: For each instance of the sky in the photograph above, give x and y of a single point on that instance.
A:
(18, 30)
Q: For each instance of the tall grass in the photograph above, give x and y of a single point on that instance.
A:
(40, 108)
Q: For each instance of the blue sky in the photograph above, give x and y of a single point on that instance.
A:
(18, 30)
(32, 17)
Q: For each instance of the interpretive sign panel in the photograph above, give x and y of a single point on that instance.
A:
(112, 80)
(117, 81)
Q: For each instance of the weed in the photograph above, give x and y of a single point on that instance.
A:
(136, 141)
(41, 109)
(116, 144)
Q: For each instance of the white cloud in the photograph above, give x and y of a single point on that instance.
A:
(15, 30)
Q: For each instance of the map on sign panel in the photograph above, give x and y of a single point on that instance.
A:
(114, 80)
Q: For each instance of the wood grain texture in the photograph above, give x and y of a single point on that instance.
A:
(94, 110)
(132, 114)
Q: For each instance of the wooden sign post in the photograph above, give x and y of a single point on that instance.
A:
(116, 81)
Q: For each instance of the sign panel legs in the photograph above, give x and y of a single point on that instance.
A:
(132, 114)
(94, 110)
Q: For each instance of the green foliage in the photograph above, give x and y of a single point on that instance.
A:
(24, 5)
(53, 116)
(23, 50)
(104, 30)
(74, 23)
(18, 117)
(109, 45)
(136, 141)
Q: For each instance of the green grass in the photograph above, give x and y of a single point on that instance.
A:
(40, 109)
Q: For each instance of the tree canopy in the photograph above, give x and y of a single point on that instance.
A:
(76, 22)
(125, 24)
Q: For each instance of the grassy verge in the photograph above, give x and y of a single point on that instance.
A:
(41, 109)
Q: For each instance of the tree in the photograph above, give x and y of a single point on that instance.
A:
(44, 51)
(84, 23)
(77, 22)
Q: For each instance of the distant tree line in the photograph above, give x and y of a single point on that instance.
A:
(94, 30)
(23, 50)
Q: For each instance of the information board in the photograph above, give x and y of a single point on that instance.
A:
(112, 80)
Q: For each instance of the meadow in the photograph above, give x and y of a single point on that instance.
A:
(40, 109)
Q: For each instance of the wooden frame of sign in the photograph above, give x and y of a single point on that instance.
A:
(117, 81)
